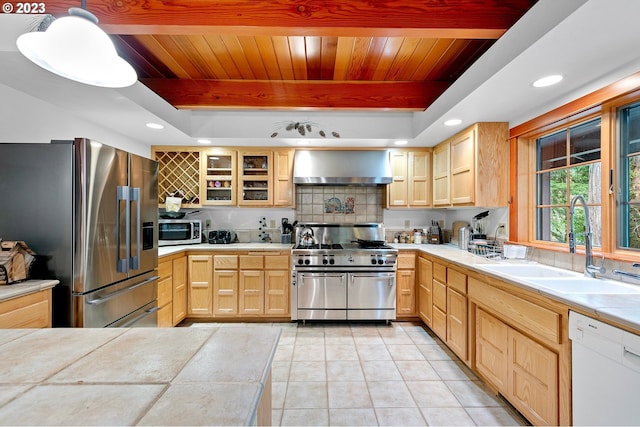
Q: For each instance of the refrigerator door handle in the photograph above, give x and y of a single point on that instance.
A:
(122, 264)
(112, 295)
(134, 261)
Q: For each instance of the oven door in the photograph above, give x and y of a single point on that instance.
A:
(372, 296)
(322, 295)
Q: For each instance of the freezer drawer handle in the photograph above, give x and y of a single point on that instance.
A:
(122, 264)
(143, 315)
(100, 300)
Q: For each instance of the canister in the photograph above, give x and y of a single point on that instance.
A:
(463, 238)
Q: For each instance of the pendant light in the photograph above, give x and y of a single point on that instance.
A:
(75, 47)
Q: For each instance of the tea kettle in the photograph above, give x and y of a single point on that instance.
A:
(306, 237)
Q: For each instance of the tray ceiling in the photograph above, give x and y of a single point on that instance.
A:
(396, 55)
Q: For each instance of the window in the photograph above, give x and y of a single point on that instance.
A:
(629, 178)
(568, 164)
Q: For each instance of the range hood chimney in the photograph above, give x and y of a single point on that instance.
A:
(337, 167)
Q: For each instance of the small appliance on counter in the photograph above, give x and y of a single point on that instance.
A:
(184, 231)
(222, 237)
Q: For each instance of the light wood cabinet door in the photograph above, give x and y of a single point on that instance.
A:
(219, 176)
(533, 379)
(165, 298)
(419, 188)
(276, 289)
(491, 349)
(463, 168)
(283, 188)
(405, 293)
(179, 290)
(225, 299)
(457, 323)
(441, 175)
(251, 292)
(200, 293)
(398, 190)
(425, 296)
(439, 323)
(255, 178)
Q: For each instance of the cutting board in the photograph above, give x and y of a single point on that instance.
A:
(456, 226)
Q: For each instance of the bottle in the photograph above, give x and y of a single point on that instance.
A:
(417, 238)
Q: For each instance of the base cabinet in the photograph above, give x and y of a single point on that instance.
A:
(425, 293)
(27, 311)
(406, 285)
(172, 291)
(237, 285)
(521, 348)
(200, 287)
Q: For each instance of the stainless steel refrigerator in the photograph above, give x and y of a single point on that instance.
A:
(90, 210)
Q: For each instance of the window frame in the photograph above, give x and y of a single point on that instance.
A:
(604, 103)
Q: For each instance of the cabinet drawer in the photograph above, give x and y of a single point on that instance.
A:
(440, 295)
(407, 261)
(457, 280)
(440, 272)
(251, 262)
(165, 269)
(539, 321)
(276, 262)
(27, 311)
(225, 262)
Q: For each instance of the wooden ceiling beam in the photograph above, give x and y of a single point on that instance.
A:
(356, 18)
(243, 94)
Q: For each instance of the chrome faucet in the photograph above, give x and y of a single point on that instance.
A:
(590, 269)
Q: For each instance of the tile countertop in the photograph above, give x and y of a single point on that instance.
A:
(138, 376)
(623, 309)
(23, 288)
(169, 250)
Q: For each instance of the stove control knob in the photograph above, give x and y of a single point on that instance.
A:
(307, 262)
(300, 261)
(373, 261)
(325, 261)
(332, 261)
(380, 261)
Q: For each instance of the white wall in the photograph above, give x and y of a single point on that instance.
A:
(24, 118)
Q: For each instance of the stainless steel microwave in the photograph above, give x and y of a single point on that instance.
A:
(179, 232)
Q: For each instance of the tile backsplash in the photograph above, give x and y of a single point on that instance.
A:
(339, 204)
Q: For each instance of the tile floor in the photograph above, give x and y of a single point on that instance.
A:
(371, 374)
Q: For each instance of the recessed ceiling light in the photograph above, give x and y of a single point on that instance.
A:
(547, 81)
(154, 126)
(452, 122)
(401, 142)
(204, 141)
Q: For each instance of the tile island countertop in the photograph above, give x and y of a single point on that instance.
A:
(137, 376)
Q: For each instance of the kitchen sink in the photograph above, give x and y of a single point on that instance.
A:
(526, 270)
(584, 285)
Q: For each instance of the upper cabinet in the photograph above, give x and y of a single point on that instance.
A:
(255, 180)
(179, 174)
(411, 185)
(472, 167)
(219, 176)
(226, 177)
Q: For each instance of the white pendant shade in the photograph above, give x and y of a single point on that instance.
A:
(75, 48)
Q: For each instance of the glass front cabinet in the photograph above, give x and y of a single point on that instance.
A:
(254, 182)
(220, 177)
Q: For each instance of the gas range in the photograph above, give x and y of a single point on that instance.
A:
(343, 272)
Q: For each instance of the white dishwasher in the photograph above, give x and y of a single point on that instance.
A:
(606, 373)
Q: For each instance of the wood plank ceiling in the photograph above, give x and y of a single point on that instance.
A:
(308, 54)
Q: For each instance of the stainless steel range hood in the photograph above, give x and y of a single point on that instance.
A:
(337, 167)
